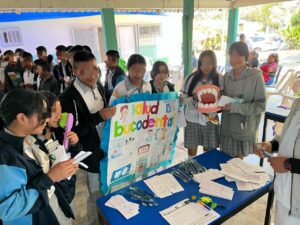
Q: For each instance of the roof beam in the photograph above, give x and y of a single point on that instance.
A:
(124, 4)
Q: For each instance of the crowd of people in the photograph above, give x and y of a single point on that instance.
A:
(35, 93)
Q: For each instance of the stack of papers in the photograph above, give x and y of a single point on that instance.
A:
(247, 177)
(163, 185)
(189, 213)
(126, 208)
(211, 174)
(215, 189)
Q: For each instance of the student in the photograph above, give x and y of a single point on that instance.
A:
(85, 99)
(87, 48)
(29, 194)
(287, 166)
(269, 68)
(29, 78)
(41, 53)
(253, 59)
(50, 63)
(200, 130)
(134, 83)
(48, 81)
(160, 74)
(19, 54)
(114, 73)
(55, 132)
(12, 72)
(72, 51)
(63, 70)
(240, 120)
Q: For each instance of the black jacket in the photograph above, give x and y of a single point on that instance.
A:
(117, 73)
(170, 86)
(85, 124)
(58, 72)
(66, 186)
(24, 186)
(51, 85)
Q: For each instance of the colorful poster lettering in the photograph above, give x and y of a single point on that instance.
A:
(140, 138)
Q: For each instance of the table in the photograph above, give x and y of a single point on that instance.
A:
(148, 215)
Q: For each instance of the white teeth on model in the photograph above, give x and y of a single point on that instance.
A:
(209, 91)
(206, 106)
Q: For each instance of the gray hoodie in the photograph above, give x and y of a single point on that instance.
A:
(242, 122)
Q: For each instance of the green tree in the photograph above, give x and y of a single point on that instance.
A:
(265, 15)
(292, 33)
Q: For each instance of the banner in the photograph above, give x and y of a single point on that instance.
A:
(140, 138)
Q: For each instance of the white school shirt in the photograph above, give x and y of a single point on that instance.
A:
(90, 95)
(126, 88)
(28, 77)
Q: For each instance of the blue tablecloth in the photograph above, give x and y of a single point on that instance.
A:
(150, 215)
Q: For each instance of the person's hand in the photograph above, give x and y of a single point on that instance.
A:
(277, 164)
(62, 170)
(107, 113)
(195, 97)
(265, 146)
(29, 86)
(73, 138)
(22, 85)
(61, 79)
(227, 108)
(180, 99)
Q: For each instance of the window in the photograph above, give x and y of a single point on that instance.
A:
(11, 37)
(149, 31)
(87, 36)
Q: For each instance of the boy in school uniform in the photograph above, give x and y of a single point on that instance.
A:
(85, 99)
(48, 81)
(63, 70)
(114, 73)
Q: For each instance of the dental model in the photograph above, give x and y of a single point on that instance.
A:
(208, 98)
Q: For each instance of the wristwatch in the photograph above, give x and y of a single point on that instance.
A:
(288, 165)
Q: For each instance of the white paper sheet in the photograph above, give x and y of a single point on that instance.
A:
(216, 189)
(211, 174)
(164, 185)
(247, 177)
(245, 166)
(224, 100)
(126, 208)
(189, 213)
(59, 155)
(172, 184)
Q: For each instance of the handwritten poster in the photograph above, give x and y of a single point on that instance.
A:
(140, 138)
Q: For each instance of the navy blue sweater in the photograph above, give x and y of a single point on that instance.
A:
(23, 186)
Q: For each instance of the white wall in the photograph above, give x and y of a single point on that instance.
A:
(51, 33)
